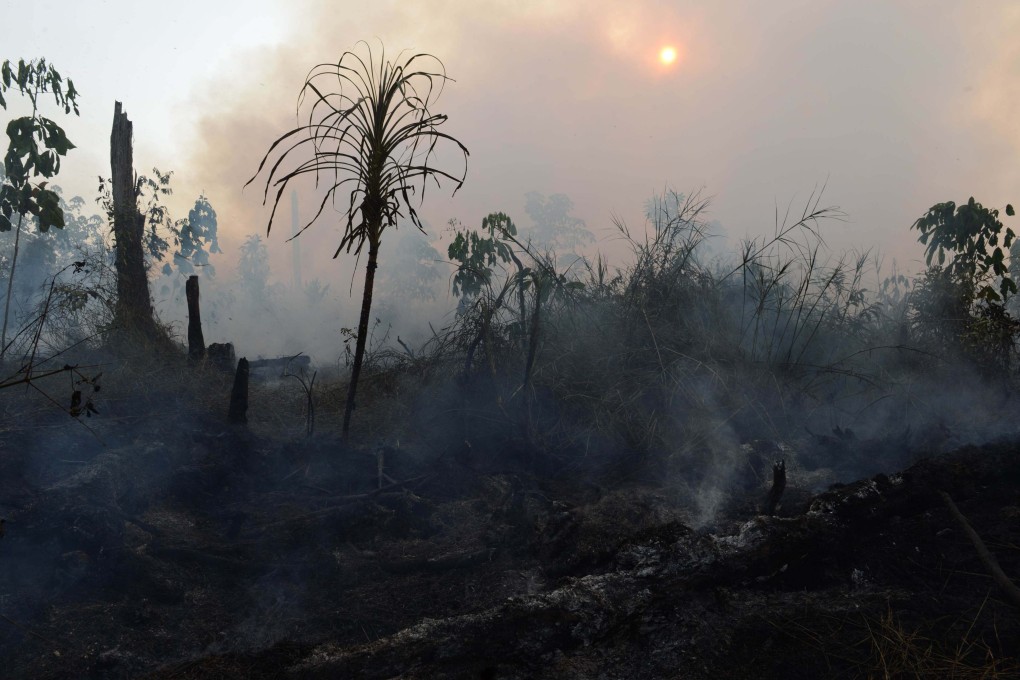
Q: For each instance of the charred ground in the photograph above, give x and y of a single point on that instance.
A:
(568, 478)
(182, 547)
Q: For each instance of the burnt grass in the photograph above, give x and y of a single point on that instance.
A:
(169, 544)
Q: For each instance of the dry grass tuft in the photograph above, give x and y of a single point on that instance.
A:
(899, 652)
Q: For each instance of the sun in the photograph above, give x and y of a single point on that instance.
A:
(667, 55)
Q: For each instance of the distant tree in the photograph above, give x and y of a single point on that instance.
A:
(179, 244)
(193, 234)
(25, 158)
(415, 271)
(196, 233)
(555, 228)
(369, 125)
(315, 292)
(253, 267)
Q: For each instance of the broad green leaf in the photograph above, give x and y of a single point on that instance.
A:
(49, 212)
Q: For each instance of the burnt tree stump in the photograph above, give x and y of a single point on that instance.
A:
(133, 313)
(196, 342)
(239, 395)
(778, 487)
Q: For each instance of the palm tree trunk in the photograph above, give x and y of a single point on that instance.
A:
(10, 286)
(366, 311)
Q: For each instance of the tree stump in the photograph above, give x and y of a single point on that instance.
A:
(196, 342)
(238, 412)
(778, 487)
(133, 313)
(221, 355)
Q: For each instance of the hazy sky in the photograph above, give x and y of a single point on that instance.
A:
(897, 105)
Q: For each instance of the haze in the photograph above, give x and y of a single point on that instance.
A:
(893, 107)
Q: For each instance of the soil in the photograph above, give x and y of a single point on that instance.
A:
(207, 551)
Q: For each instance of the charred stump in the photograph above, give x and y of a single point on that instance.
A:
(778, 487)
(133, 313)
(239, 395)
(196, 342)
(221, 355)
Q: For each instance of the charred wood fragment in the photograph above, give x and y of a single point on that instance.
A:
(196, 342)
(239, 395)
(778, 487)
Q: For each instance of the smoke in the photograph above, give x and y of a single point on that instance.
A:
(765, 103)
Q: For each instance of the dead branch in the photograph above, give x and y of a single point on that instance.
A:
(987, 558)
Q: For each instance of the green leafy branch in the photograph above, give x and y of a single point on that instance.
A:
(974, 241)
(36, 144)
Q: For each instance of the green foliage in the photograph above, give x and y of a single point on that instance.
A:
(198, 231)
(476, 253)
(36, 144)
(948, 318)
(974, 240)
(34, 78)
(189, 236)
(960, 304)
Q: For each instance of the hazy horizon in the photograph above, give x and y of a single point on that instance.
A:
(893, 107)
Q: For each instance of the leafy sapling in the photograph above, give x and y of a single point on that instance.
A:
(36, 146)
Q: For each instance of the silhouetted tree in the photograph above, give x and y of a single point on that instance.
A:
(370, 126)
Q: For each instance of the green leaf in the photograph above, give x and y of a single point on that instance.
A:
(1009, 210)
(49, 212)
(54, 137)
